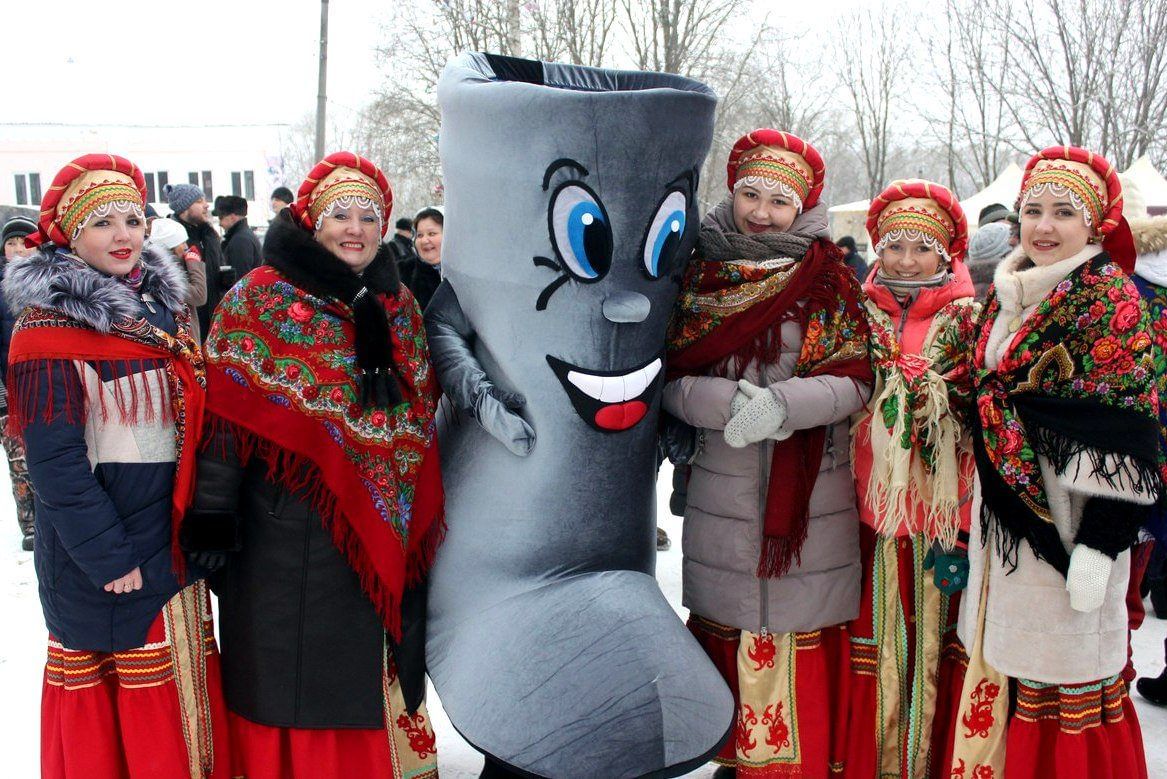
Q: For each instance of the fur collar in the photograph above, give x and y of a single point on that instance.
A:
(307, 264)
(1019, 287)
(48, 279)
(1153, 267)
(1150, 234)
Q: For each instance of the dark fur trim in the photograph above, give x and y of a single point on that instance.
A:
(45, 279)
(210, 531)
(293, 251)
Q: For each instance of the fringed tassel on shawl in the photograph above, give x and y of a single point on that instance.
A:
(300, 476)
(1120, 472)
(780, 553)
(903, 490)
(129, 391)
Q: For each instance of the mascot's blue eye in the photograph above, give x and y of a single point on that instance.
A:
(580, 232)
(664, 234)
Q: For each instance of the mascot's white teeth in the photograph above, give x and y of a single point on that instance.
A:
(616, 389)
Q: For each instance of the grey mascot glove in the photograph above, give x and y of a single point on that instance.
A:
(761, 417)
(1086, 580)
(497, 411)
(464, 381)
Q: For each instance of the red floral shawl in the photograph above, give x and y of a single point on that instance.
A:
(281, 368)
(734, 311)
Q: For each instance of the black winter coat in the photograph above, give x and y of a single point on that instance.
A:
(302, 647)
(241, 249)
(422, 279)
(102, 493)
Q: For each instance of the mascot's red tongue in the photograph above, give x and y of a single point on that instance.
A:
(621, 416)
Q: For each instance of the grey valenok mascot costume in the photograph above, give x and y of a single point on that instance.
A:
(571, 211)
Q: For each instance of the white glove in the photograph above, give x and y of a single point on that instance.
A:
(1086, 580)
(759, 418)
(739, 401)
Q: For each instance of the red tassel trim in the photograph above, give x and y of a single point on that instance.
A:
(133, 402)
(297, 474)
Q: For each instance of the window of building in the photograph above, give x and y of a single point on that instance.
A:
(243, 184)
(193, 178)
(208, 190)
(163, 180)
(151, 192)
(28, 189)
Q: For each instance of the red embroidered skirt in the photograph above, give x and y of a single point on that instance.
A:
(404, 749)
(154, 711)
(901, 699)
(784, 686)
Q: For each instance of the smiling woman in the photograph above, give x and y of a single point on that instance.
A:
(320, 496)
(1067, 450)
(768, 357)
(106, 386)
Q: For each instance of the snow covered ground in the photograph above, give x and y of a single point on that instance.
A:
(22, 649)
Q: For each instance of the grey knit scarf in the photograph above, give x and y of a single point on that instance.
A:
(719, 239)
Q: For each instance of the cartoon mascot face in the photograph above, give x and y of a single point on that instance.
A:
(570, 215)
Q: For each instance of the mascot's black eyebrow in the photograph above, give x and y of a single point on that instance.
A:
(688, 177)
(562, 162)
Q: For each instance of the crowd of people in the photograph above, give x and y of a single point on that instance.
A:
(919, 496)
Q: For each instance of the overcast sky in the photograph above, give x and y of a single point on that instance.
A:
(214, 61)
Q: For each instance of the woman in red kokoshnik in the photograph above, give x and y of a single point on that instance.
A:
(1067, 452)
(321, 484)
(106, 386)
(914, 476)
(768, 358)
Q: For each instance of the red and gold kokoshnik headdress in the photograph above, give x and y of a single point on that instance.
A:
(913, 208)
(345, 179)
(1090, 182)
(89, 186)
(777, 159)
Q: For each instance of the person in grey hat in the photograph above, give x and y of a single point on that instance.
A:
(15, 231)
(988, 246)
(994, 212)
(190, 208)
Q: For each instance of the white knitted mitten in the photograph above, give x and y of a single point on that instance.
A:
(760, 418)
(739, 401)
(1086, 580)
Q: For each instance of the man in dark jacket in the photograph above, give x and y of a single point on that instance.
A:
(240, 245)
(192, 211)
(401, 244)
(853, 258)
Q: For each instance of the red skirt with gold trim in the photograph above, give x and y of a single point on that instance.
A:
(784, 687)
(901, 700)
(152, 711)
(404, 749)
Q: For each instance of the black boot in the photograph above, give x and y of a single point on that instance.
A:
(663, 544)
(1159, 597)
(1154, 689)
(725, 772)
(27, 542)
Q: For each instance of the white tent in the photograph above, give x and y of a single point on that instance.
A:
(1003, 189)
(1152, 186)
(849, 219)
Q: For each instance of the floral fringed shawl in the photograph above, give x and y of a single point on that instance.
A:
(919, 422)
(1076, 379)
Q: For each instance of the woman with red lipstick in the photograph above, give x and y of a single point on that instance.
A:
(320, 491)
(106, 385)
(768, 358)
(914, 479)
(1067, 451)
